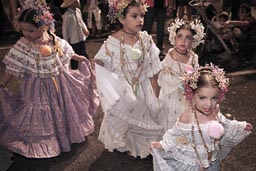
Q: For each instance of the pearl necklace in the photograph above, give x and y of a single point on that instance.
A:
(126, 68)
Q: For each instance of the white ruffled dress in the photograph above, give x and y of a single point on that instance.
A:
(130, 120)
(179, 154)
(171, 93)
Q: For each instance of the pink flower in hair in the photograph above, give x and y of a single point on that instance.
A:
(215, 130)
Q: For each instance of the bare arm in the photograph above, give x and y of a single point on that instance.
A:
(79, 57)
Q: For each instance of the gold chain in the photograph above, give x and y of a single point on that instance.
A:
(209, 153)
(136, 75)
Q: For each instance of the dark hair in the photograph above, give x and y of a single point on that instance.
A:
(28, 15)
(186, 26)
(133, 3)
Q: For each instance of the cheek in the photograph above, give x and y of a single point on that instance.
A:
(189, 43)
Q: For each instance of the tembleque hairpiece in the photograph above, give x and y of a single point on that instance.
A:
(196, 25)
(190, 79)
(116, 9)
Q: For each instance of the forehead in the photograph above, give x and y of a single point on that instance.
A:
(28, 25)
(207, 91)
(184, 32)
(135, 9)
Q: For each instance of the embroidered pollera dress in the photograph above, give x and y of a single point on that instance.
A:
(55, 106)
(171, 92)
(179, 153)
(131, 112)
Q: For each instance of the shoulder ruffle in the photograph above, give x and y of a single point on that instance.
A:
(25, 58)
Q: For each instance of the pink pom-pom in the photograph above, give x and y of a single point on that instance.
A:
(188, 69)
(215, 130)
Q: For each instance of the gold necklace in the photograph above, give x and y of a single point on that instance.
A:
(126, 68)
(209, 152)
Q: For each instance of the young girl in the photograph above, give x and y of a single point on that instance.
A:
(130, 62)
(55, 105)
(184, 36)
(201, 137)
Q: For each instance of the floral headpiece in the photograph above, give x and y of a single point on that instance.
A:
(190, 79)
(45, 19)
(196, 25)
(116, 9)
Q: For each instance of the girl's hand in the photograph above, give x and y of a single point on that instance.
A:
(97, 61)
(156, 144)
(79, 58)
(248, 127)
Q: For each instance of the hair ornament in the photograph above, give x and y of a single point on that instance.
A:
(190, 79)
(196, 25)
(45, 19)
(116, 9)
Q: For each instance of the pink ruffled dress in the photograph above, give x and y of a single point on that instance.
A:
(55, 106)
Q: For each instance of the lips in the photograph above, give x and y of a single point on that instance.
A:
(207, 110)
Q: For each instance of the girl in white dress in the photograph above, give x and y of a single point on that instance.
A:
(129, 63)
(201, 137)
(184, 36)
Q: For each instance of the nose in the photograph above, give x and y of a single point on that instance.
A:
(209, 103)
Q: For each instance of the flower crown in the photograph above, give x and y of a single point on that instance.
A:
(190, 79)
(116, 9)
(45, 19)
(196, 25)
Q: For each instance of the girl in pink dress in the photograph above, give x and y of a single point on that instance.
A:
(55, 105)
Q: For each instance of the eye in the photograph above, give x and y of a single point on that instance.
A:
(179, 36)
(134, 16)
(202, 97)
(189, 38)
(215, 98)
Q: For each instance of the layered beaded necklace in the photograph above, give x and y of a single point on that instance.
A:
(131, 76)
(209, 152)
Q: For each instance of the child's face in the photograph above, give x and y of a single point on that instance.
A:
(134, 19)
(30, 31)
(183, 40)
(206, 100)
(242, 14)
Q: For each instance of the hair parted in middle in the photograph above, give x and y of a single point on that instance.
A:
(209, 75)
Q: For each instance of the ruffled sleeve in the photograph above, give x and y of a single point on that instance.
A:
(234, 133)
(177, 141)
(152, 64)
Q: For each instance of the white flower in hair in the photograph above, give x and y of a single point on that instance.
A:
(196, 25)
(199, 36)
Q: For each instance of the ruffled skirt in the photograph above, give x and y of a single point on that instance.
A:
(130, 121)
(50, 113)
